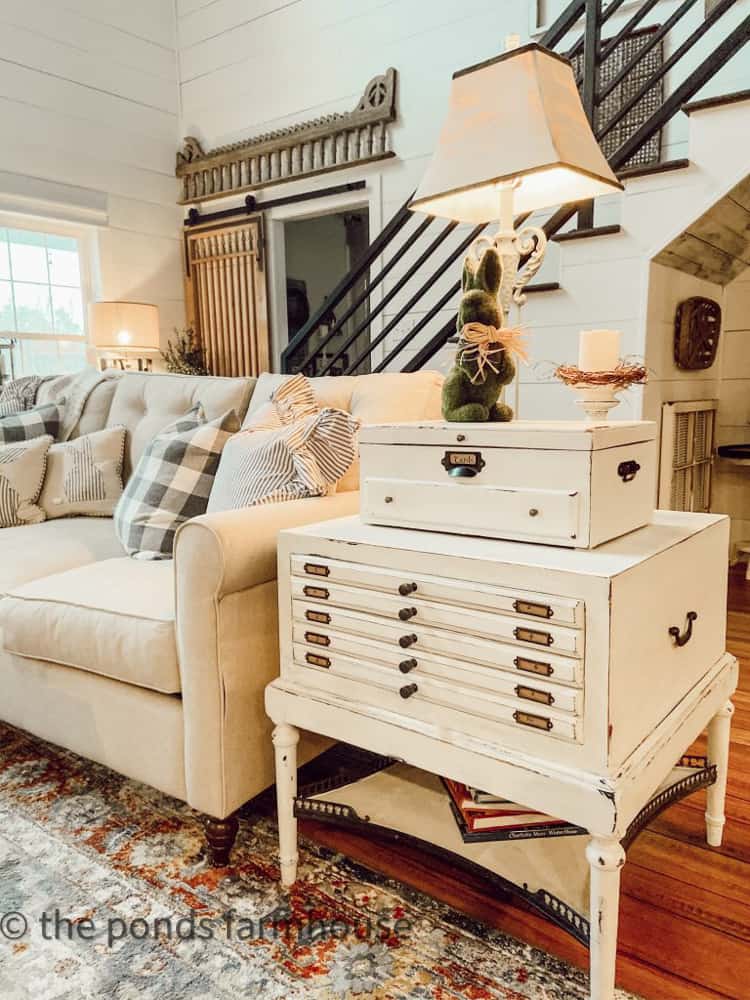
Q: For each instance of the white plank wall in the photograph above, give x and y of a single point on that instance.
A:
(89, 97)
(247, 66)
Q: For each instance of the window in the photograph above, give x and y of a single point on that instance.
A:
(42, 300)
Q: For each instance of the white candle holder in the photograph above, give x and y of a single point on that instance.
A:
(597, 391)
(596, 400)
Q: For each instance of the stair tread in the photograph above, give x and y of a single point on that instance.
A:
(653, 168)
(582, 234)
(716, 102)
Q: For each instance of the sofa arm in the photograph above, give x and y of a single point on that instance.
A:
(228, 645)
(236, 549)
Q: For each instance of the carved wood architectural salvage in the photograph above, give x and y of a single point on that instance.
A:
(314, 147)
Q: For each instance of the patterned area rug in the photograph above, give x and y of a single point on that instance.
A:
(105, 893)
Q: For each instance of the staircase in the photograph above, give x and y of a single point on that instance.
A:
(635, 83)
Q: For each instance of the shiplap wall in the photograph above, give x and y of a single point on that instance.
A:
(248, 66)
(732, 482)
(89, 98)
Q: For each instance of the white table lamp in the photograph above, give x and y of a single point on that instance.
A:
(516, 138)
(119, 330)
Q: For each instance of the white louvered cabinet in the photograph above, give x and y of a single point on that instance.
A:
(569, 680)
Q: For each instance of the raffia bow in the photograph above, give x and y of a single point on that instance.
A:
(480, 343)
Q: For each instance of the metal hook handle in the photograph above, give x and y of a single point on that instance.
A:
(684, 638)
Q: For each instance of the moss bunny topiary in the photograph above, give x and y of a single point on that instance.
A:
(473, 386)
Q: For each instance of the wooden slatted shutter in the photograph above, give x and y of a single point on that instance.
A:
(687, 445)
(226, 297)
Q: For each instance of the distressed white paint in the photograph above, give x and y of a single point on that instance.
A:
(600, 774)
(553, 482)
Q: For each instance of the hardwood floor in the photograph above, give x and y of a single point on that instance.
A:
(685, 911)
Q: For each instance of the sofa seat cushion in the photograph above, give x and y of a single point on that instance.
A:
(36, 550)
(114, 618)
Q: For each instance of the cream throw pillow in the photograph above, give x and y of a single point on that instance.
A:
(84, 476)
(22, 468)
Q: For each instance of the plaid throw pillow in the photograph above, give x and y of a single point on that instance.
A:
(40, 421)
(171, 483)
(305, 459)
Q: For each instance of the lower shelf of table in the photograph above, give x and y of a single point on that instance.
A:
(403, 803)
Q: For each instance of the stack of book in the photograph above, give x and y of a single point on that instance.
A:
(481, 816)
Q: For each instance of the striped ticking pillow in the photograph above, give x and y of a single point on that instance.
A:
(305, 459)
(84, 476)
(38, 422)
(292, 401)
(22, 469)
(171, 483)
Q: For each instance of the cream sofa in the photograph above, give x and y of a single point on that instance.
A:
(157, 669)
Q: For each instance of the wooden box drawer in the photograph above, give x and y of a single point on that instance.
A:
(534, 606)
(535, 663)
(550, 516)
(566, 483)
(329, 643)
(413, 610)
(428, 699)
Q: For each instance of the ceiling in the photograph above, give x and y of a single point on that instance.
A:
(716, 246)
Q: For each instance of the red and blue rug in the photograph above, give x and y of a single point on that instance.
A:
(105, 894)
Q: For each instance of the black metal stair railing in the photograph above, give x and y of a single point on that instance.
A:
(323, 347)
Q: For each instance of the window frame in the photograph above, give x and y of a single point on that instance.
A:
(86, 239)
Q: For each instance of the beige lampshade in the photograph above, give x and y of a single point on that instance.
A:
(518, 116)
(124, 325)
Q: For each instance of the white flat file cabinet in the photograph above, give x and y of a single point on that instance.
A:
(572, 681)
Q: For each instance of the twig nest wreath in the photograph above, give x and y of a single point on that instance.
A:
(485, 355)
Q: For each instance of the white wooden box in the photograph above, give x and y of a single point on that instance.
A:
(572, 656)
(556, 482)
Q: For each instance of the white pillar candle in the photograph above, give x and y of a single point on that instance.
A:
(598, 350)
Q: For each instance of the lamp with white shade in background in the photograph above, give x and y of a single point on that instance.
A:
(120, 331)
(516, 139)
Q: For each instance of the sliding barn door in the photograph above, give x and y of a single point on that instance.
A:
(226, 297)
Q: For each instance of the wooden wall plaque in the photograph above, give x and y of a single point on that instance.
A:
(697, 327)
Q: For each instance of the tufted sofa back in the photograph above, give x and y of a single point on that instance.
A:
(146, 402)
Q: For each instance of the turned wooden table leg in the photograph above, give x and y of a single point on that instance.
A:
(285, 740)
(220, 836)
(606, 858)
(719, 731)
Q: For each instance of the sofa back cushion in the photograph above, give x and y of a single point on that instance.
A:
(145, 403)
(373, 399)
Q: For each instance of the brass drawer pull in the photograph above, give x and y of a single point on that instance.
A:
(534, 721)
(408, 690)
(530, 608)
(684, 638)
(407, 640)
(531, 635)
(406, 613)
(532, 694)
(407, 588)
(317, 661)
(316, 639)
(405, 666)
(322, 617)
(320, 593)
(314, 569)
(533, 666)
